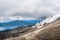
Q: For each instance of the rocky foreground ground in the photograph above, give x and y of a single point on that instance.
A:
(50, 31)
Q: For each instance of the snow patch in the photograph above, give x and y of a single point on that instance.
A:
(47, 20)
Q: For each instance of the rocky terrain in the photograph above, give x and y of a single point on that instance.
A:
(49, 31)
(15, 32)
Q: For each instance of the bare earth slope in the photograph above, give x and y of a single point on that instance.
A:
(51, 31)
(16, 32)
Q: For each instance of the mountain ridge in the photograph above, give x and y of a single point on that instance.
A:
(48, 31)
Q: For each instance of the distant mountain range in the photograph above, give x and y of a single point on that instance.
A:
(17, 23)
(10, 24)
(46, 30)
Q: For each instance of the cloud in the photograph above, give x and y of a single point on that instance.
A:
(29, 8)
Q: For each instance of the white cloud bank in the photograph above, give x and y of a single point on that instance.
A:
(29, 8)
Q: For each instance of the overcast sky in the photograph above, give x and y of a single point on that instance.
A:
(29, 8)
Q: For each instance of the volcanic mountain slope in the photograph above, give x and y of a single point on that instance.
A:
(50, 31)
(16, 32)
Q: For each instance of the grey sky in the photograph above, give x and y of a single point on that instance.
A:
(29, 8)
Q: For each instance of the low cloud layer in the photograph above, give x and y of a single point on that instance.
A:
(29, 8)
